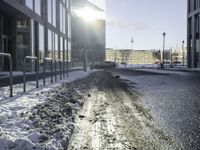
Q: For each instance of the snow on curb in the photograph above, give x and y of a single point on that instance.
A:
(41, 118)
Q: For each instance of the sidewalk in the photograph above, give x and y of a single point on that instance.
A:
(184, 69)
(18, 76)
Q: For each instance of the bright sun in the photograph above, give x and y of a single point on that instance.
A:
(90, 15)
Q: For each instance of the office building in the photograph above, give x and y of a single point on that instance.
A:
(38, 28)
(193, 34)
(88, 30)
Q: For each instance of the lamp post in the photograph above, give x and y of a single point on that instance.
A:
(163, 59)
(183, 57)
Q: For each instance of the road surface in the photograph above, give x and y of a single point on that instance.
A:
(174, 100)
(113, 117)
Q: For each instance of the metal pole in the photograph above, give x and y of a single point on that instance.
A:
(11, 76)
(11, 70)
(58, 60)
(24, 75)
(164, 34)
(55, 72)
(24, 71)
(44, 69)
(67, 60)
(60, 70)
(85, 65)
(183, 42)
(51, 71)
(44, 72)
(37, 69)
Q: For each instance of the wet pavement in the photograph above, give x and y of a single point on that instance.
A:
(174, 100)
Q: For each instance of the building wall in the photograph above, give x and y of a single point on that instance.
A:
(42, 29)
(87, 37)
(193, 33)
(131, 56)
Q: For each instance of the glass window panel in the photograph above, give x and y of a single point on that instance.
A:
(50, 44)
(69, 26)
(38, 7)
(54, 12)
(61, 18)
(64, 16)
(41, 43)
(49, 11)
(56, 47)
(61, 48)
(29, 3)
(67, 4)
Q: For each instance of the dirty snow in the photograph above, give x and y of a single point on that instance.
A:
(40, 118)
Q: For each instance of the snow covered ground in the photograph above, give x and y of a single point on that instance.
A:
(25, 118)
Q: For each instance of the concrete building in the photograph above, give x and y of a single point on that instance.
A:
(88, 30)
(193, 33)
(128, 56)
(38, 28)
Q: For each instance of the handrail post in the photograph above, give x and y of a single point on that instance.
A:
(37, 70)
(44, 72)
(51, 71)
(11, 70)
(24, 76)
(55, 72)
(63, 68)
(24, 70)
(60, 70)
(44, 69)
(58, 60)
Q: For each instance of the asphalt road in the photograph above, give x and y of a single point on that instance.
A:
(113, 118)
(174, 100)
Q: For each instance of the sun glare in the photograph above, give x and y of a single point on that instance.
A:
(90, 15)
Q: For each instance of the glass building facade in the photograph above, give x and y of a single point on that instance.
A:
(193, 33)
(88, 37)
(40, 28)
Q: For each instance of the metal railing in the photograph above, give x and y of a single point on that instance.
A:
(44, 69)
(58, 60)
(10, 69)
(24, 71)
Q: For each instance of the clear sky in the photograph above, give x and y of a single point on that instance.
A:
(145, 20)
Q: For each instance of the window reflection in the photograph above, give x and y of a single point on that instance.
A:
(38, 7)
(54, 12)
(50, 44)
(56, 47)
(49, 6)
(29, 3)
(22, 41)
(41, 43)
(61, 48)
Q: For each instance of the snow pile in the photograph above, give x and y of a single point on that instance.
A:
(42, 119)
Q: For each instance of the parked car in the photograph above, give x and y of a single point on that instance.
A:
(104, 65)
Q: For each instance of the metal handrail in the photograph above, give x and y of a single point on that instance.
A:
(58, 60)
(11, 70)
(44, 69)
(24, 72)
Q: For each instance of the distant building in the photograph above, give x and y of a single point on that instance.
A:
(128, 56)
(193, 33)
(88, 38)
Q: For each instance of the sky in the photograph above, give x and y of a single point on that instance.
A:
(145, 21)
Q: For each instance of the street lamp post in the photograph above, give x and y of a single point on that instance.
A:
(163, 59)
(183, 57)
